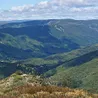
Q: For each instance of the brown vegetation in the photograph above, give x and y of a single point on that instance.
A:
(29, 91)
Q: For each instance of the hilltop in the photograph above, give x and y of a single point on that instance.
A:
(21, 85)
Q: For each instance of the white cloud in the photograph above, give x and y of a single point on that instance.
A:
(77, 9)
(70, 2)
(43, 4)
(22, 8)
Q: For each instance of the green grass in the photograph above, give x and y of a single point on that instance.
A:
(87, 73)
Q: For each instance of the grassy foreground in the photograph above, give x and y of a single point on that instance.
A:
(31, 91)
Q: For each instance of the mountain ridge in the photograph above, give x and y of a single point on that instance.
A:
(62, 52)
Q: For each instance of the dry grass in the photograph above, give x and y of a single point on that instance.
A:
(29, 91)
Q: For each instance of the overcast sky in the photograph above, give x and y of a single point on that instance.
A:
(48, 9)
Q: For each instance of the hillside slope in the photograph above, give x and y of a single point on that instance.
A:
(41, 38)
(63, 52)
(81, 72)
(75, 69)
(27, 86)
(43, 65)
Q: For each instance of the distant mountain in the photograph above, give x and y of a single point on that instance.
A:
(4, 22)
(40, 38)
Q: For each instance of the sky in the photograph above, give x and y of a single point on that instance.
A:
(7, 4)
(48, 9)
